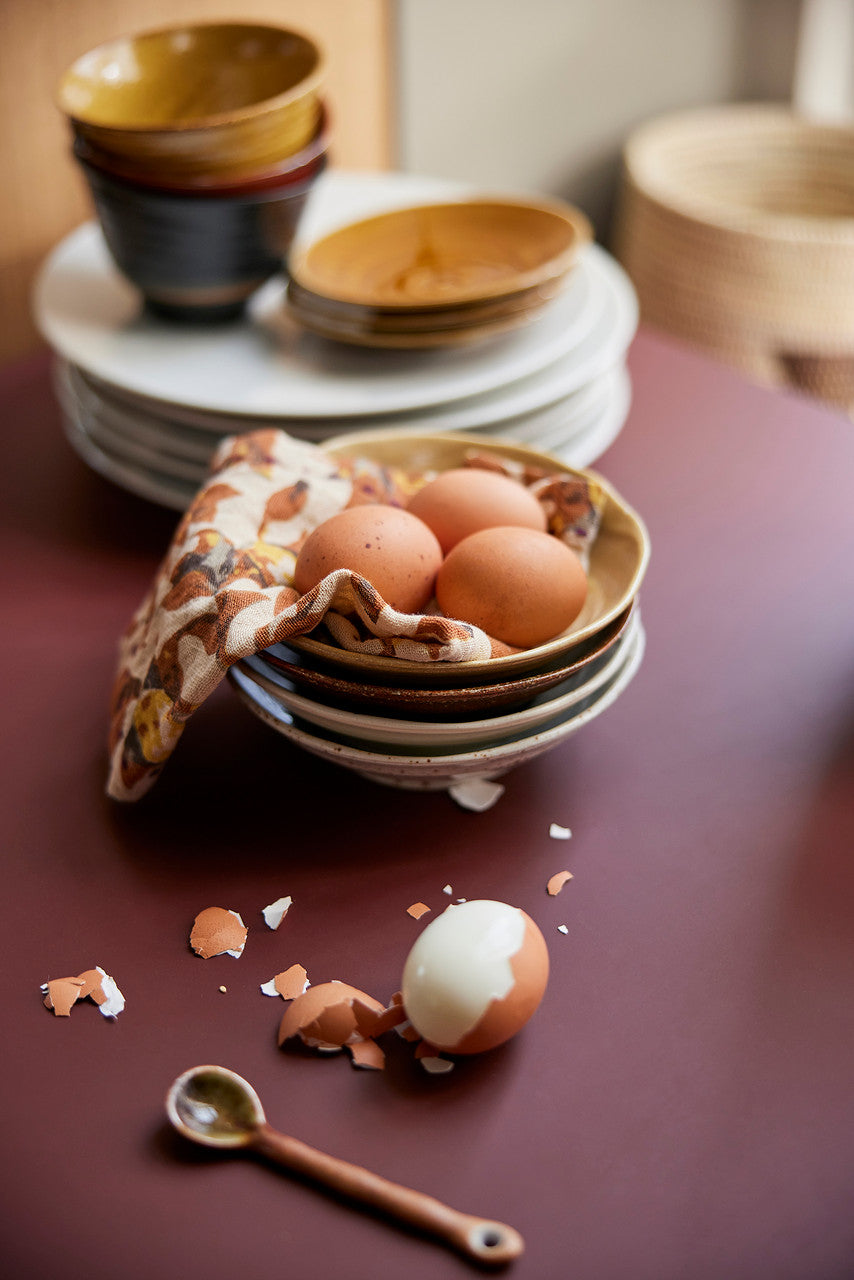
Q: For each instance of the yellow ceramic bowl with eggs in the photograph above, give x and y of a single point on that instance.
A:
(617, 559)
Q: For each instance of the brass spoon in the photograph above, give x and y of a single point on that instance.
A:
(218, 1108)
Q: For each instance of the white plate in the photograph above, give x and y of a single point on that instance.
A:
(146, 468)
(575, 410)
(133, 422)
(561, 382)
(144, 482)
(437, 735)
(435, 772)
(133, 417)
(265, 366)
(129, 447)
(583, 447)
(143, 456)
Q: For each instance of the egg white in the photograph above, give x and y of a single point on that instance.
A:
(458, 966)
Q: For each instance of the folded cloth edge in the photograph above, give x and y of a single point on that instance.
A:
(223, 592)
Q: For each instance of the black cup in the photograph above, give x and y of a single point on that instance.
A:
(199, 256)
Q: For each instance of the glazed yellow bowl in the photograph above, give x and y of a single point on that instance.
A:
(618, 562)
(444, 255)
(208, 98)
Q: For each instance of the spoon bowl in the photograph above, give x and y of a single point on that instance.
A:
(218, 1108)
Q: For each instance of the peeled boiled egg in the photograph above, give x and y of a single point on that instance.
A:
(521, 586)
(475, 976)
(461, 501)
(389, 546)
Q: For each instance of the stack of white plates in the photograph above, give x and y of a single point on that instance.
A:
(145, 402)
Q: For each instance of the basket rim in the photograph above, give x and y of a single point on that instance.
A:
(642, 167)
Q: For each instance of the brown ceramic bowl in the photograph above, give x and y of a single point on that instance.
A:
(313, 678)
(291, 171)
(414, 330)
(392, 320)
(427, 338)
(442, 255)
(618, 561)
(209, 98)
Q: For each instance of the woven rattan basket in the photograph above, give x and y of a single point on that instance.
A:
(736, 225)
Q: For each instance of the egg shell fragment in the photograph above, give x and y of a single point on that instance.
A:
(218, 931)
(276, 911)
(465, 499)
(62, 993)
(390, 547)
(329, 1016)
(521, 586)
(557, 881)
(288, 984)
(475, 976)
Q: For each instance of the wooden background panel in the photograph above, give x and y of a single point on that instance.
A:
(44, 196)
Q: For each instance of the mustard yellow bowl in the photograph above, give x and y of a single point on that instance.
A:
(444, 255)
(206, 98)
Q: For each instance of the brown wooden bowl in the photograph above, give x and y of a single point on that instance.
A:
(313, 678)
(442, 255)
(303, 165)
(399, 320)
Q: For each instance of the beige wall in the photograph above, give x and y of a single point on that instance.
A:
(43, 197)
(508, 94)
(539, 94)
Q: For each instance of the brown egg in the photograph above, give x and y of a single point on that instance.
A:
(390, 547)
(475, 976)
(519, 585)
(461, 501)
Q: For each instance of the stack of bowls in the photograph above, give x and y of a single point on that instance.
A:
(148, 411)
(433, 725)
(200, 145)
(437, 275)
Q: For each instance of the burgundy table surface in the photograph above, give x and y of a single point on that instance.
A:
(681, 1106)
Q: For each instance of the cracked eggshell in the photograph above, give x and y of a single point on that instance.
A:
(328, 1016)
(474, 976)
(217, 931)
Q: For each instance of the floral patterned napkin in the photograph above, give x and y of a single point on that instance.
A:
(223, 591)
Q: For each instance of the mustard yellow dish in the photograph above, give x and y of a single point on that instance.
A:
(211, 96)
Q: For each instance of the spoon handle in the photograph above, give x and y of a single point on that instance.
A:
(479, 1238)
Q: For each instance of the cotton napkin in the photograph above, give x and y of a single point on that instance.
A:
(224, 588)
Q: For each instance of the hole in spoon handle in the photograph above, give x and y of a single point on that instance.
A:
(480, 1238)
(492, 1242)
